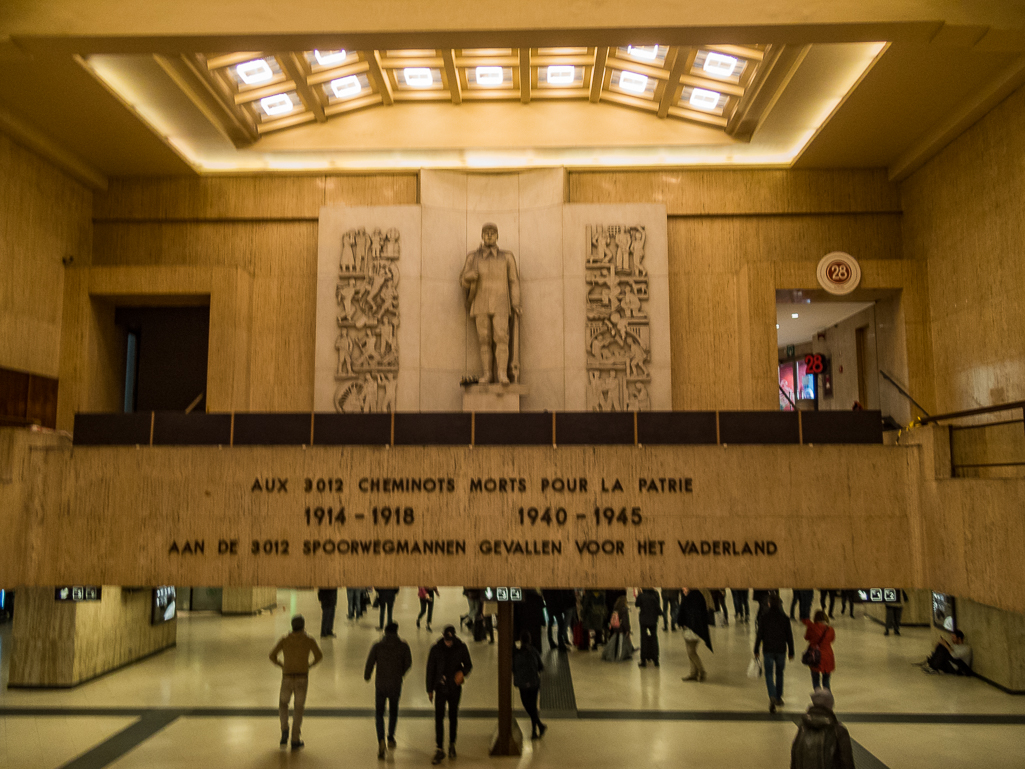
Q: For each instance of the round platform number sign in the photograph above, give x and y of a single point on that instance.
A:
(839, 273)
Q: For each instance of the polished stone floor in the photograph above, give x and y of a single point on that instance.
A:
(211, 702)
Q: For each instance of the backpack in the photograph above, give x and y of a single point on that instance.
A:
(614, 622)
(818, 748)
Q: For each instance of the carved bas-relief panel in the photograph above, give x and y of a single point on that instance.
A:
(367, 314)
(618, 330)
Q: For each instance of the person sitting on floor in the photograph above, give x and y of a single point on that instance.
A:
(953, 656)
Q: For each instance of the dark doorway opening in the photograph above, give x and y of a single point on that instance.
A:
(165, 357)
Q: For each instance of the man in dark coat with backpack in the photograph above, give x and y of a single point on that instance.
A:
(649, 606)
(392, 658)
(822, 742)
(447, 666)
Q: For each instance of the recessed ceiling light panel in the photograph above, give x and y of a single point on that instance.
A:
(254, 72)
(418, 77)
(277, 105)
(643, 52)
(794, 315)
(632, 82)
(329, 58)
(346, 87)
(703, 99)
(719, 64)
(560, 74)
(489, 76)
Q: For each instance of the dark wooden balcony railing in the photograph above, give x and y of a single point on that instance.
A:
(484, 429)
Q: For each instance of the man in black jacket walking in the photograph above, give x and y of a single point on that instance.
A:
(393, 659)
(328, 597)
(649, 606)
(775, 633)
(447, 666)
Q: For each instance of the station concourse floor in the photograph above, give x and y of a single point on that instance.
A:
(211, 701)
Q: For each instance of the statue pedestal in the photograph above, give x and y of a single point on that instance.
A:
(493, 397)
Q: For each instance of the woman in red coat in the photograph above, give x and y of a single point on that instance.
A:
(820, 634)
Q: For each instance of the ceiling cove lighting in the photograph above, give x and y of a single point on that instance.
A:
(634, 83)
(279, 104)
(254, 72)
(719, 65)
(344, 87)
(418, 77)
(701, 98)
(489, 76)
(560, 75)
(646, 52)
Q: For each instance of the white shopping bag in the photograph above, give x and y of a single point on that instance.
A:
(754, 669)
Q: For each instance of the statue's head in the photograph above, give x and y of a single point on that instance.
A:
(489, 234)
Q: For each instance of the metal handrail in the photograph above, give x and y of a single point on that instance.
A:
(903, 392)
(975, 412)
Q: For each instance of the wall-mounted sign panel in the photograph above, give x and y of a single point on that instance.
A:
(409, 515)
(77, 593)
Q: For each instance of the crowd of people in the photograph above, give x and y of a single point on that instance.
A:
(592, 619)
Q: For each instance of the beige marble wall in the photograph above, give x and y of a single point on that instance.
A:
(997, 638)
(248, 600)
(840, 345)
(963, 224)
(60, 643)
(249, 244)
(527, 208)
(44, 218)
(735, 237)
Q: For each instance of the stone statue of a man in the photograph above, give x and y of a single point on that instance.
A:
(491, 277)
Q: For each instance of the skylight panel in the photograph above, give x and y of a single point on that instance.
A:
(720, 65)
(418, 77)
(703, 99)
(632, 82)
(278, 105)
(345, 87)
(329, 58)
(562, 75)
(254, 72)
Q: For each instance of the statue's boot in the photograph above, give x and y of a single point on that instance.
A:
(502, 362)
(485, 364)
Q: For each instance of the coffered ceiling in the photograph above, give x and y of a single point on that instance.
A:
(111, 88)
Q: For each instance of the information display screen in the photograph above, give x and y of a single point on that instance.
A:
(944, 615)
(164, 604)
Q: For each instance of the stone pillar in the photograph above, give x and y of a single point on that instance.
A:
(62, 644)
(248, 600)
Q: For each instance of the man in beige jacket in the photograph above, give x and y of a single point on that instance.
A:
(295, 676)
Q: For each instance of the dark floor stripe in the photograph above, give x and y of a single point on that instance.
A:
(584, 715)
(865, 760)
(111, 750)
(557, 695)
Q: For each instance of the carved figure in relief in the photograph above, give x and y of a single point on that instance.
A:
(369, 393)
(376, 243)
(637, 397)
(389, 383)
(617, 337)
(387, 338)
(391, 244)
(367, 299)
(608, 393)
(630, 303)
(344, 346)
(347, 262)
(637, 250)
(493, 299)
(636, 361)
(623, 241)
